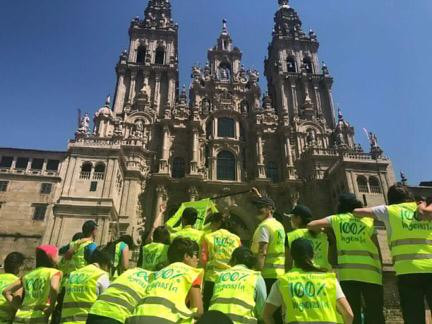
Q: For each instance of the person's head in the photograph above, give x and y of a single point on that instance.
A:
(419, 199)
(243, 255)
(89, 229)
(213, 316)
(77, 236)
(429, 201)
(300, 216)
(128, 240)
(46, 256)
(102, 258)
(348, 202)
(161, 235)
(398, 194)
(265, 206)
(13, 263)
(183, 250)
(189, 216)
(302, 254)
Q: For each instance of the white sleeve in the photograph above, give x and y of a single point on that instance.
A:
(274, 297)
(102, 284)
(263, 235)
(381, 213)
(339, 292)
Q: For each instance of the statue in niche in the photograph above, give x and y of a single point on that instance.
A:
(340, 139)
(311, 137)
(223, 74)
(139, 129)
(244, 107)
(205, 106)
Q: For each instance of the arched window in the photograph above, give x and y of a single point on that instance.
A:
(307, 63)
(99, 171)
(141, 54)
(291, 65)
(374, 185)
(160, 55)
(272, 171)
(178, 168)
(225, 71)
(244, 106)
(226, 127)
(362, 184)
(226, 169)
(86, 169)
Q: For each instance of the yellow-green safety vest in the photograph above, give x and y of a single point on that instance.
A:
(166, 296)
(78, 260)
(274, 266)
(410, 240)
(190, 233)
(358, 256)
(37, 287)
(308, 297)
(6, 311)
(319, 242)
(220, 245)
(118, 257)
(123, 295)
(80, 294)
(154, 254)
(234, 294)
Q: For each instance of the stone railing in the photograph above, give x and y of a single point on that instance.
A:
(345, 154)
(98, 175)
(48, 173)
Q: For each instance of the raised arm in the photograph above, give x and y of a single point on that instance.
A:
(364, 212)
(318, 224)
(425, 211)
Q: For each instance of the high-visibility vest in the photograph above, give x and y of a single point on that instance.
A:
(37, 287)
(410, 241)
(358, 256)
(166, 296)
(6, 311)
(78, 259)
(190, 233)
(309, 297)
(274, 265)
(221, 245)
(319, 242)
(123, 295)
(234, 294)
(154, 254)
(118, 257)
(80, 294)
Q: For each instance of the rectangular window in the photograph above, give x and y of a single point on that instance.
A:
(3, 186)
(21, 163)
(226, 127)
(52, 165)
(93, 186)
(37, 164)
(6, 161)
(46, 188)
(39, 212)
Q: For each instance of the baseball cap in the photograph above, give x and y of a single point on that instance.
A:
(50, 250)
(89, 226)
(264, 202)
(303, 212)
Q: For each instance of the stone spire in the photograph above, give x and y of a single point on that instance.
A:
(158, 14)
(224, 42)
(287, 21)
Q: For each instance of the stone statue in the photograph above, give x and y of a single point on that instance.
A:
(84, 125)
(139, 128)
(223, 74)
(373, 140)
(311, 138)
(205, 106)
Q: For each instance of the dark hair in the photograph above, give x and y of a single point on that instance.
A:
(110, 249)
(13, 262)
(304, 213)
(77, 236)
(225, 221)
(181, 246)
(88, 228)
(161, 235)
(189, 216)
(428, 200)
(43, 260)
(101, 257)
(213, 317)
(348, 202)
(243, 255)
(302, 253)
(398, 194)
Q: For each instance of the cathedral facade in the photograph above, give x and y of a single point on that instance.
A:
(156, 145)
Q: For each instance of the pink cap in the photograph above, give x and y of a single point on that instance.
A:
(49, 250)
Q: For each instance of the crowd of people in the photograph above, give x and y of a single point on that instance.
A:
(191, 275)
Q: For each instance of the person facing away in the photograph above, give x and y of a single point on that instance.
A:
(216, 251)
(12, 267)
(83, 286)
(189, 218)
(79, 251)
(410, 239)
(359, 262)
(240, 292)
(119, 250)
(35, 294)
(155, 254)
(173, 287)
(306, 293)
(65, 265)
(117, 302)
(300, 217)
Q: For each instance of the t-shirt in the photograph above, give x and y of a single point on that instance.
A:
(263, 235)
(88, 251)
(381, 213)
(102, 284)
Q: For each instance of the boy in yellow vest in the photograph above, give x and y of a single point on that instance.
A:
(12, 267)
(189, 218)
(410, 239)
(154, 256)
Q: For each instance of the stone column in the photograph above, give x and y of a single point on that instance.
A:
(195, 152)
(294, 98)
(163, 163)
(156, 101)
(332, 109)
(160, 207)
(284, 101)
(318, 99)
(260, 157)
(171, 90)
(132, 86)
(120, 94)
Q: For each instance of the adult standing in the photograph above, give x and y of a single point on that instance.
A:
(119, 250)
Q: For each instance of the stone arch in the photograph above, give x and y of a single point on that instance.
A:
(226, 168)
(307, 64)
(160, 55)
(374, 185)
(291, 64)
(141, 54)
(362, 184)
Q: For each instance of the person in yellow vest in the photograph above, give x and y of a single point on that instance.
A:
(306, 293)
(154, 256)
(35, 294)
(83, 286)
(300, 217)
(120, 254)
(173, 288)
(117, 303)
(410, 240)
(216, 251)
(12, 267)
(189, 218)
(240, 292)
(359, 263)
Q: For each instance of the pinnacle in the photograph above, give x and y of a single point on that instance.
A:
(224, 27)
(283, 4)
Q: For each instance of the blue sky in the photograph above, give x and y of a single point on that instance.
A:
(59, 56)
